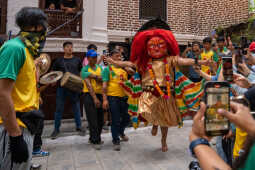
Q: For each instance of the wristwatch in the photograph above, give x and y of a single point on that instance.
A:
(194, 143)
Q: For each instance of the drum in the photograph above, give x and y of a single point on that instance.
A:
(51, 77)
(72, 82)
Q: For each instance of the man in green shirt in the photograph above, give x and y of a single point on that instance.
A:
(18, 89)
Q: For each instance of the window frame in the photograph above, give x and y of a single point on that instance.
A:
(3, 4)
(153, 17)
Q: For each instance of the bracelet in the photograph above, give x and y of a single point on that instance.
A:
(194, 143)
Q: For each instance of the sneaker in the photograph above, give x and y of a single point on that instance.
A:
(124, 138)
(116, 146)
(82, 132)
(40, 153)
(35, 166)
(55, 134)
(97, 146)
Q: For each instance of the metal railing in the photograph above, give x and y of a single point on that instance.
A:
(70, 30)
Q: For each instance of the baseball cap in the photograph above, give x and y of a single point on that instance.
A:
(252, 47)
(91, 53)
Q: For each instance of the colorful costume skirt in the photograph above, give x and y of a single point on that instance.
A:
(159, 111)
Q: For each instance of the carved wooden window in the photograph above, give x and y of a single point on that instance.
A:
(58, 17)
(150, 9)
(3, 16)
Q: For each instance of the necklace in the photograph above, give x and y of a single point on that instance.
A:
(167, 77)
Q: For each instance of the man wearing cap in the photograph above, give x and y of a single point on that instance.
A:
(91, 74)
(251, 57)
(71, 64)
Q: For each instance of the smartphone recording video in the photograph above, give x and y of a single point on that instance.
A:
(217, 97)
(227, 68)
(105, 54)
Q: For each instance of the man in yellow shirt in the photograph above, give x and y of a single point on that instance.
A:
(91, 74)
(115, 99)
(208, 54)
(18, 91)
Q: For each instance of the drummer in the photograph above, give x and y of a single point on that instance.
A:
(91, 74)
(72, 64)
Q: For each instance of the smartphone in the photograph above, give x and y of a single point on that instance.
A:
(217, 96)
(227, 68)
(105, 53)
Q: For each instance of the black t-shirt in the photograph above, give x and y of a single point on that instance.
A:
(72, 65)
(68, 3)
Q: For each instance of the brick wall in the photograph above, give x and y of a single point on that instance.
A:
(184, 16)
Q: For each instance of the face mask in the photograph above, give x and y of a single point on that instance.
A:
(157, 47)
(34, 41)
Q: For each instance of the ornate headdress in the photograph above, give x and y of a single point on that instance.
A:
(139, 53)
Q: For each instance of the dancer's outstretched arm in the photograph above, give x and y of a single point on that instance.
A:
(121, 64)
(190, 61)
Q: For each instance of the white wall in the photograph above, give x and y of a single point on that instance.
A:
(12, 8)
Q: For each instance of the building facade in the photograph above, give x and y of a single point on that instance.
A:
(105, 21)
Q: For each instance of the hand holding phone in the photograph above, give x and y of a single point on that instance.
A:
(217, 96)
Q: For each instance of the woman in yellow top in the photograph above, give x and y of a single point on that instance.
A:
(91, 74)
(115, 99)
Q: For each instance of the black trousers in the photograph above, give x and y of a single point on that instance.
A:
(38, 135)
(95, 118)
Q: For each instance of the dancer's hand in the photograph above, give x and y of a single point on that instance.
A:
(130, 71)
(198, 128)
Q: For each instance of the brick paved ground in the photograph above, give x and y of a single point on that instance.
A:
(142, 152)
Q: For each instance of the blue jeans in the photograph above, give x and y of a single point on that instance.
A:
(74, 97)
(120, 117)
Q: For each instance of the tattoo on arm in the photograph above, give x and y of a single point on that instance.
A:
(90, 88)
(105, 84)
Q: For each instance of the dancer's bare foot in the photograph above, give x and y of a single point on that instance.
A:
(164, 146)
(154, 130)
